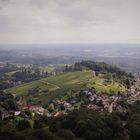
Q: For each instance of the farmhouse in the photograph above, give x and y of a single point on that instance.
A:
(58, 114)
(38, 109)
(5, 114)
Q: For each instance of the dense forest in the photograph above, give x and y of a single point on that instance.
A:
(102, 67)
(99, 67)
(80, 124)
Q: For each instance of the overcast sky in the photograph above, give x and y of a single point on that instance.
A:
(69, 21)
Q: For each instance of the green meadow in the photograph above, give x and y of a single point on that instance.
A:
(56, 86)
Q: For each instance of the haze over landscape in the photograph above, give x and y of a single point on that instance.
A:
(69, 70)
(126, 56)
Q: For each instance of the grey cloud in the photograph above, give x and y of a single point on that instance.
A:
(70, 20)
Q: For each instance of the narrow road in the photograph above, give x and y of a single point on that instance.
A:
(134, 96)
(110, 108)
(50, 84)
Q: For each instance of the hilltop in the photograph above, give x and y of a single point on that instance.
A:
(88, 100)
(56, 86)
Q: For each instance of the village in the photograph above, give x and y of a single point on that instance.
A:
(86, 98)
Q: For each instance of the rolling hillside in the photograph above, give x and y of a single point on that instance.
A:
(56, 86)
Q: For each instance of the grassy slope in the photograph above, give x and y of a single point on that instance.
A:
(60, 84)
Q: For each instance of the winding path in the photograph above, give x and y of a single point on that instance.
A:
(57, 87)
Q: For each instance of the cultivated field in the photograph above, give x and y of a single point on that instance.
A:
(56, 86)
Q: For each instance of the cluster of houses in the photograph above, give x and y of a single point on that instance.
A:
(109, 103)
(5, 114)
(34, 109)
(104, 102)
(13, 83)
(134, 92)
(88, 98)
(100, 102)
